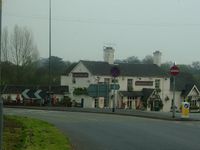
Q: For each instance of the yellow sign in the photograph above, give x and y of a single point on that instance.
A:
(185, 110)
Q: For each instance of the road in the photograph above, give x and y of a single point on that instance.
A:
(91, 131)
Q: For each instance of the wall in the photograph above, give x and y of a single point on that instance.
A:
(88, 101)
(12, 96)
(168, 104)
(79, 81)
(164, 83)
(122, 81)
(166, 95)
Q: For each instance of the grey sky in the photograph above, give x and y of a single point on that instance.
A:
(80, 28)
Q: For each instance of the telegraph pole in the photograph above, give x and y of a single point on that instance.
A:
(1, 100)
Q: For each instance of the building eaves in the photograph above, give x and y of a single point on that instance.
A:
(131, 93)
(146, 93)
(70, 68)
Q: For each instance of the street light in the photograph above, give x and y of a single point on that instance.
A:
(49, 54)
(1, 101)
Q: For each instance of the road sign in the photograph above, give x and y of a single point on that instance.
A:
(101, 90)
(33, 94)
(114, 86)
(98, 90)
(115, 72)
(37, 94)
(25, 93)
(185, 110)
(174, 70)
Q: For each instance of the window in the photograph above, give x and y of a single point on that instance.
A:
(130, 85)
(144, 83)
(96, 103)
(193, 103)
(106, 80)
(129, 102)
(80, 74)
(106, 103)
(157, 83)
(114, 81)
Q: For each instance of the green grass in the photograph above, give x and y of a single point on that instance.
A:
(22, 133)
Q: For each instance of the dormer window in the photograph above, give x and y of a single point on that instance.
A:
(74, 80)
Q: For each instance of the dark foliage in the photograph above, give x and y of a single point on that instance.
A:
(36, 73)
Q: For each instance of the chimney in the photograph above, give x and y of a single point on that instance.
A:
(157, 58)
(109, 55)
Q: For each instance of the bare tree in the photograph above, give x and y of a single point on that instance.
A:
(196, 65)
(24, 51)
(5, 45)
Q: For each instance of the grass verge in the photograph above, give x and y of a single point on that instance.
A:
(23, 133)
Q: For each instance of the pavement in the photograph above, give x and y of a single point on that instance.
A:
(125, 112)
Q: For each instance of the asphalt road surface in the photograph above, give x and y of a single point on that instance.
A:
(91, 131)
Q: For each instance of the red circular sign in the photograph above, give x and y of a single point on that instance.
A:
(174, 70)
(115, 72)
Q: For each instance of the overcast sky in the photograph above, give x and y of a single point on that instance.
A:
(80, 28)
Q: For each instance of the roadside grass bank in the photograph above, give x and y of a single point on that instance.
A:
(23, 133)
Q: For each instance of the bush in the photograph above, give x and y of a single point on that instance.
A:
(80, 91)
(66, 101)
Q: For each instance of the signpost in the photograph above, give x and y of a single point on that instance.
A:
(115, 72)
(185, 110)
(174, 71)
(102, 90)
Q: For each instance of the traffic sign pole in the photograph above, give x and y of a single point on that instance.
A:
(174, 70)
(113, 110)
(173, 100)
(115, 72)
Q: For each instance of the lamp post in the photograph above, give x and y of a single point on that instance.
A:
(49, 82)
(1, 101)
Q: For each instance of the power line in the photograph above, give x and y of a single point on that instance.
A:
(108, 22)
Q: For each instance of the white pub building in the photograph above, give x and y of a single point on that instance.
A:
(140, 86)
